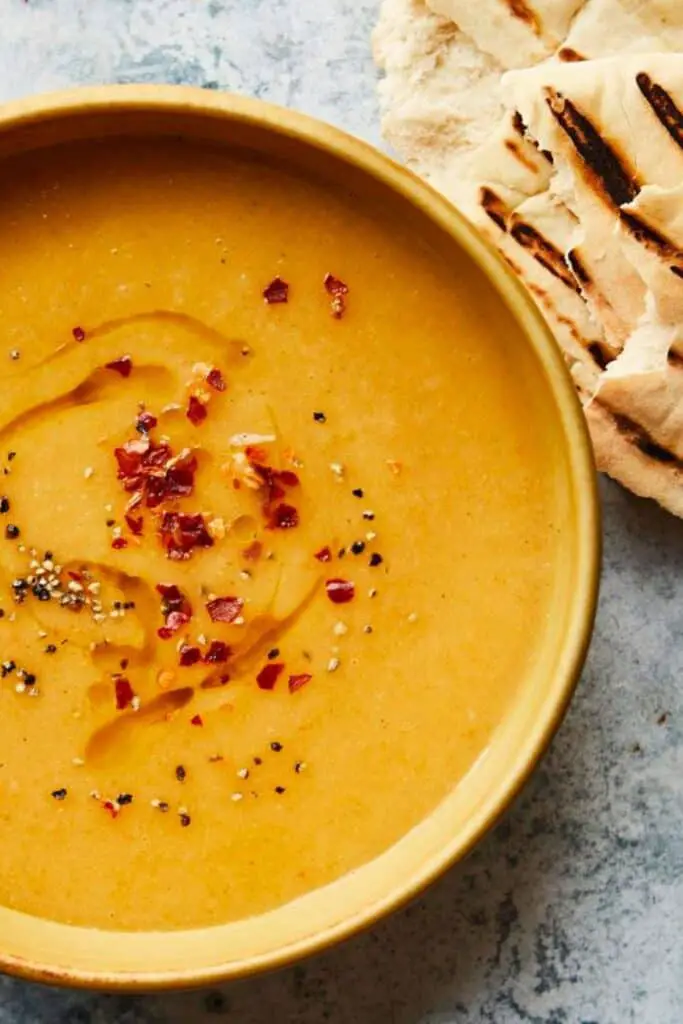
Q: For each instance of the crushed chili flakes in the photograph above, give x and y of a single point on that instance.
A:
(122, 365)
(124, 693)
(182, 532)
(269, 675)
(196, 411)
(340, 591)
(283, 517)
(134, 524)
(337, 290)
(277, 291)
(151, 473)
(296, 682)
(189, 655)
(119, 543)
(218, 653)
(324, 555)
(175, 608)
(78, 334)
(225, 609)
(215, 379)
(145, 422)
(196, 720)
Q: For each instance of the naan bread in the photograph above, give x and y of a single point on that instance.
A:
(529, 208)
(517, 33)
(615, 129)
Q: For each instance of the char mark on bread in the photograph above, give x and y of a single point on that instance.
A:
(663, 106)
(520, 9)
(519, 126)
(494, 207)
(597, 155)
(569, 56)
(543, 251)
(652, 239)
(638, 436)
(580, 272)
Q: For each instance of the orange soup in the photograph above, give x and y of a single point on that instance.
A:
(279, 527)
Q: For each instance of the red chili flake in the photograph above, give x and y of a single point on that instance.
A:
(256, 454)
(276, 291)
(296, 682)
(284, 517)
(151, 470)
(340, 591)
(182, 532)
(145, 422)
(118, 543)
(189, 655)
(324, 555)
(122, 365)
(196, 411)
(253, 551)
(173, 599)
(76, 576)
(217, 653)
(269, 674)
(110, 806)
(197, 720)
(174, 622)
(215, 380)
(225, 609)
(78, 334)
(288, 478)
(124, 693)
(337, 289)
(134, 524)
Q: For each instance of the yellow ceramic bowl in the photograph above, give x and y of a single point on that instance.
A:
(57, 953)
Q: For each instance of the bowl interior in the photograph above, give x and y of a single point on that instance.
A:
(53, 952)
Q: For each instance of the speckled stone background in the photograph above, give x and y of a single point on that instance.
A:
(571, 912)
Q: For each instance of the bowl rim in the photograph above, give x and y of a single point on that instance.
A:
(345, 148)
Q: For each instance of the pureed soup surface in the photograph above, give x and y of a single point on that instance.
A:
(277, 515)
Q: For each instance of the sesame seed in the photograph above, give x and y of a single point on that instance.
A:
(77, 762)
(333, 664)
(88, 472)
(367, 629)
(412, 617)
(243, 773)
(370, 535)
(340, 629)
(14, 354)
(236, 797)
(337, 469)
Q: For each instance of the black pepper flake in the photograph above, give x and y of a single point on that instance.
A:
(59, 794)
(375, 559)
(279, 789)
(123, 799)
(180, 773)
(368, 514)
(4, 505)
(124, 663)
(319, 417)
(51, 649)
(12, 531)
(358, 547)
(2, 613)
(7, 667)
(357, 492)
(258, 760)
(28, 678)
(110, 522)
(299, 767)
(185, 820)
(11, 455)
(277, 747)
(274, 653)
